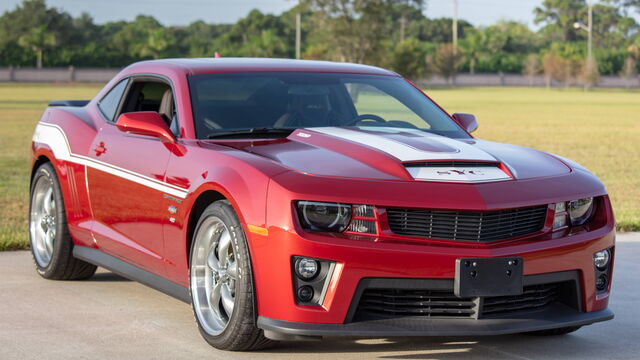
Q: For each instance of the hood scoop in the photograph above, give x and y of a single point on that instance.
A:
(458, 171)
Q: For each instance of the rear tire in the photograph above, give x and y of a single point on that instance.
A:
(221, 282)
(556, 332)
(51, 244)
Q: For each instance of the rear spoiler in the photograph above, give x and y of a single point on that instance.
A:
(74, 103)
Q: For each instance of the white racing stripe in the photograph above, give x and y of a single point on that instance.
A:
(54, 137)
(404, 152)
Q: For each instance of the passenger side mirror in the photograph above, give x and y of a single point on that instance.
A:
(467, 121)
(148, 123)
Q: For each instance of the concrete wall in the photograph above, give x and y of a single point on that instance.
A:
(103, 75)
(607, 81)
(70, 74)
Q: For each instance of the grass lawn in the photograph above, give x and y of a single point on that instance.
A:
(599, 129)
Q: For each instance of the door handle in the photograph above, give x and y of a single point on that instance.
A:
(100, 149)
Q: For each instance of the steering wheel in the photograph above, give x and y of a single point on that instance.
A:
(362, 117)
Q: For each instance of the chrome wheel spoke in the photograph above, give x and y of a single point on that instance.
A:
(212, 261)
(232, 270)
(227, 300)
(48, 240)
(214, 298)
(47, 201)
(223, 247)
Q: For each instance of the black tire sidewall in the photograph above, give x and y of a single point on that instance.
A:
(244, 307)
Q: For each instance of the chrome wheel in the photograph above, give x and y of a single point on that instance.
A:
(214, 273)
(43, 219)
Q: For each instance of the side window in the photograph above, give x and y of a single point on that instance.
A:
(109, 103)
(153, 96)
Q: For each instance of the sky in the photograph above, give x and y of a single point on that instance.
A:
(183, 12)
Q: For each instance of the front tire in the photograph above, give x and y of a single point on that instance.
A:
(221, 282)
(51, 244)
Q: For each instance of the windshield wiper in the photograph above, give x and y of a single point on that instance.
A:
(253, 132)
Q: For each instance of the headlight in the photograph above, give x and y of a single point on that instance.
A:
(323, 216)
(580, 210)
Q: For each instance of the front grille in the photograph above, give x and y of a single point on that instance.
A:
(391, 303)
(480, 226)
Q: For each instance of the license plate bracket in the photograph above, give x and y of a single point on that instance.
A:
(488, 277)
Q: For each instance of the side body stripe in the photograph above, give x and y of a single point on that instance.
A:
(54, 137)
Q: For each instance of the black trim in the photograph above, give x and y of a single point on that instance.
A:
(448, 284)
(73, 103)
(132, 272)
(553, 317)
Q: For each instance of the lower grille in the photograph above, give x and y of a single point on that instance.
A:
(533, 297)
(467, 226)
(443, 303)
(429, 303)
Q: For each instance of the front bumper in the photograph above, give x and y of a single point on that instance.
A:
(565, 310)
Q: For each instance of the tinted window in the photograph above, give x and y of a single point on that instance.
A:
(109, 103)
(230, 102)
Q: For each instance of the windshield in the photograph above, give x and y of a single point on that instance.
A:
(224, 103)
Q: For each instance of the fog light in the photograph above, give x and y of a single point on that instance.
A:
(602, 282)
(305, 293)
(601, 259)
(306, 268)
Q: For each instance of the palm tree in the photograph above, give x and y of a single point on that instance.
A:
(38, 39)
(474, 46)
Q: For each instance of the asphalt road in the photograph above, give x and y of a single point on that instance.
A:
(109, 317)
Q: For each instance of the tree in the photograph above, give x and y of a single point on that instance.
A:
(590, 73)
(531, 67)
(553, 67)
(559, 16)
(474, 46)
(355, 28)
(32, 27)
(408, 59)
(38, 39)
(629, 71)
(406, 8)
(446, 61)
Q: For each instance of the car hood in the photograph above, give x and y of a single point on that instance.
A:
(402, 154)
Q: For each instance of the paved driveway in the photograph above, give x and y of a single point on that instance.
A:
(109, 317)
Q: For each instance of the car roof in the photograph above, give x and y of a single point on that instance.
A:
(195, 66)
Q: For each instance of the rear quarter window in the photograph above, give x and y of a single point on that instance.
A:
(109, 103)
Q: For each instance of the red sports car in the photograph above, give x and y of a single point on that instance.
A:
(297, 200)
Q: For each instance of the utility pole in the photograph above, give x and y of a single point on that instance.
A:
(590, 29)
(298, 30)
(454, 26)
(298, 34)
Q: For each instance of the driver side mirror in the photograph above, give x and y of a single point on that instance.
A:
(467, 121)
(148, 123)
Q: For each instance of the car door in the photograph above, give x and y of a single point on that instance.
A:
(126, 180)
